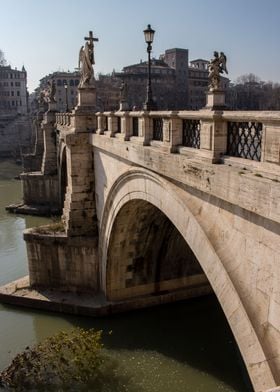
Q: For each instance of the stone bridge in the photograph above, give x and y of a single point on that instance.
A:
(160, 206)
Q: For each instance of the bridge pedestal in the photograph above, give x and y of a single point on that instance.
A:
(49, 163)
(40, 188)
(86, 99)
(216, 100)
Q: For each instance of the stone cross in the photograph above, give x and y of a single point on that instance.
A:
(91, 39)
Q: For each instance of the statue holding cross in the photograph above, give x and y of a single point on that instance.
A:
(86, 61)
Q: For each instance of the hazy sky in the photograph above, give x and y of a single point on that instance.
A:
(46, 35)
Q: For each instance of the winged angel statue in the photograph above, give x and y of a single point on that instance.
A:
(216, 67)
(86, 60)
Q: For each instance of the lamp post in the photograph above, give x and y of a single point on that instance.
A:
(149, 37)
(66, 95)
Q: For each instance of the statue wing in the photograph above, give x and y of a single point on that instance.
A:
(81, 56)
(224, 62)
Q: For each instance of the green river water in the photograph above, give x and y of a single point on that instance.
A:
(180, 347)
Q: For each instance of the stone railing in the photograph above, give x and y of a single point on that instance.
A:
(64, 119)
(76, 122)
(253, 135)
(207, 134)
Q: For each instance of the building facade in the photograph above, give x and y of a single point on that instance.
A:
(177, 84)
(66, 88)
(13, 90)
(169, 79)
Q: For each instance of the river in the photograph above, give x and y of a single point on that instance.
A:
(186, 346)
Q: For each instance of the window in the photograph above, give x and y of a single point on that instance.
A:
(59, 83)
(18, 93)
(71, 82)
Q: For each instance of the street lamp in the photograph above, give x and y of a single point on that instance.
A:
(66, 95)
(149, 37)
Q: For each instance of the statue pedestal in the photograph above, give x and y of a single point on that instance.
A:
(86, 99)
(215, 100)
(52, 107)
(124, 106)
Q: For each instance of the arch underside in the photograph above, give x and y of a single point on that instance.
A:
(148, 255)
(151, 242)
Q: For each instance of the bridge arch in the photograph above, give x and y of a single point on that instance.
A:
(140, 187)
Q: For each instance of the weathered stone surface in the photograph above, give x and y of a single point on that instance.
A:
(162, 218)
(40, 189)
(55, 261)
(235, 232)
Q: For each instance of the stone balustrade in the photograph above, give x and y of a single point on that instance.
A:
(64, 119)
(206, 134)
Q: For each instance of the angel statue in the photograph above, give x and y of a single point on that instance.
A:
(216, 66)
(48, 94)
(86, 61)
(123, 92)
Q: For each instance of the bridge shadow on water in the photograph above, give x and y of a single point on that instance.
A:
(193, 332)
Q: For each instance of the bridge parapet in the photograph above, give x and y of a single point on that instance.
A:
(76, 122)
(64, 119)
(206, 134)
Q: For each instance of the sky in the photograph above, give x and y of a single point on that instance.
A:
(46, 35)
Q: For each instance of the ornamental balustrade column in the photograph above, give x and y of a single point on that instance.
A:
(145, 128)
(172, 131)
(112, 124)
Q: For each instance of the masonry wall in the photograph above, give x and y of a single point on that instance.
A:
(56, 261)
(247, 242)
(39, 189)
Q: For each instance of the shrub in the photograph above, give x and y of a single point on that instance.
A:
(61, 361)
(56, 227)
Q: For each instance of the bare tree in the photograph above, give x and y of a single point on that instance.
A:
(250, 93)
(248, 78)
(2, 58)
